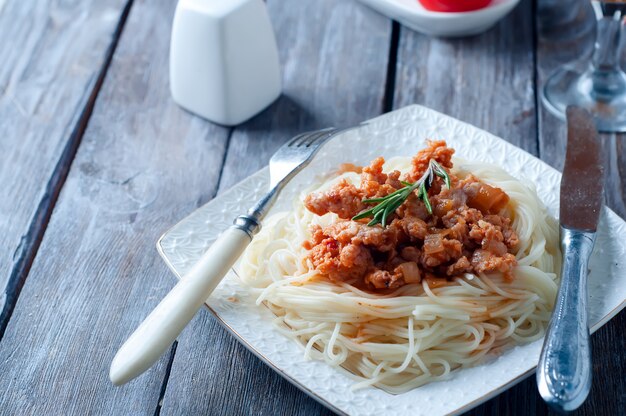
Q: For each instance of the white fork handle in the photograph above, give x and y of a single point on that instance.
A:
(159, 330)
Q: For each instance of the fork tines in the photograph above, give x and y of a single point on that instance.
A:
(307, 139)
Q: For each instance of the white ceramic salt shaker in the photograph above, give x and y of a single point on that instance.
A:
(223, 59)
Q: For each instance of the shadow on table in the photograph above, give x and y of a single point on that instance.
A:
(283, 119)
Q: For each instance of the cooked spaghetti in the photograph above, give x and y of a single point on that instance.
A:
(448, 278)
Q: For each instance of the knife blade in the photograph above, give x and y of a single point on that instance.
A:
(564, 368)
(583, 173)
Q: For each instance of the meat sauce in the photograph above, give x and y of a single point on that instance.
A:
(467, 232)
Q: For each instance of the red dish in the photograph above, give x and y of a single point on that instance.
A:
(454, 5)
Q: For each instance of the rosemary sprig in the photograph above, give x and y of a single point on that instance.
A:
(387, 205)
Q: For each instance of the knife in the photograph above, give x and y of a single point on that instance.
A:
(564, 369)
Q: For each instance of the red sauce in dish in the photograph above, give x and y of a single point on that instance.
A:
(454, 5)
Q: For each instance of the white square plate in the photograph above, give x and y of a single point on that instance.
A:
(399, 132)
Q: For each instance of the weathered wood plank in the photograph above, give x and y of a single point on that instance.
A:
(486, 80)
(96, 274)
(334, 60)
(609, 362)
(333, 75)
(606, 397)
(53, 56)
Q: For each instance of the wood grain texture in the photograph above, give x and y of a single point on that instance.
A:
(97, 274)
(486, 80)
(53, 55)
(143, 164)
(332, 75)
(607, 395)
(555, 48)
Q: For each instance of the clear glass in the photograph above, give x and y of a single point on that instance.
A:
(600, 85)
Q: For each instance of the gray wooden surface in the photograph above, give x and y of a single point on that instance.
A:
(97, 161)
(49, 78)
(608, 393)
(321, 33)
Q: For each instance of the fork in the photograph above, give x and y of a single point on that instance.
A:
(159, 330)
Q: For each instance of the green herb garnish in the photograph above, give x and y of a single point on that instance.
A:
(388, 204)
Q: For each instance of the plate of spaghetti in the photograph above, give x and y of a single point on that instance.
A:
(413, 273)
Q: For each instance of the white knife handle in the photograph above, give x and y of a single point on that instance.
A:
(159, 330)
(564, 369)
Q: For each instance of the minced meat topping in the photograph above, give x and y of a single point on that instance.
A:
(467, 232)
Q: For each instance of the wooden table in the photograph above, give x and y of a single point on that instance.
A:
(96, 161)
